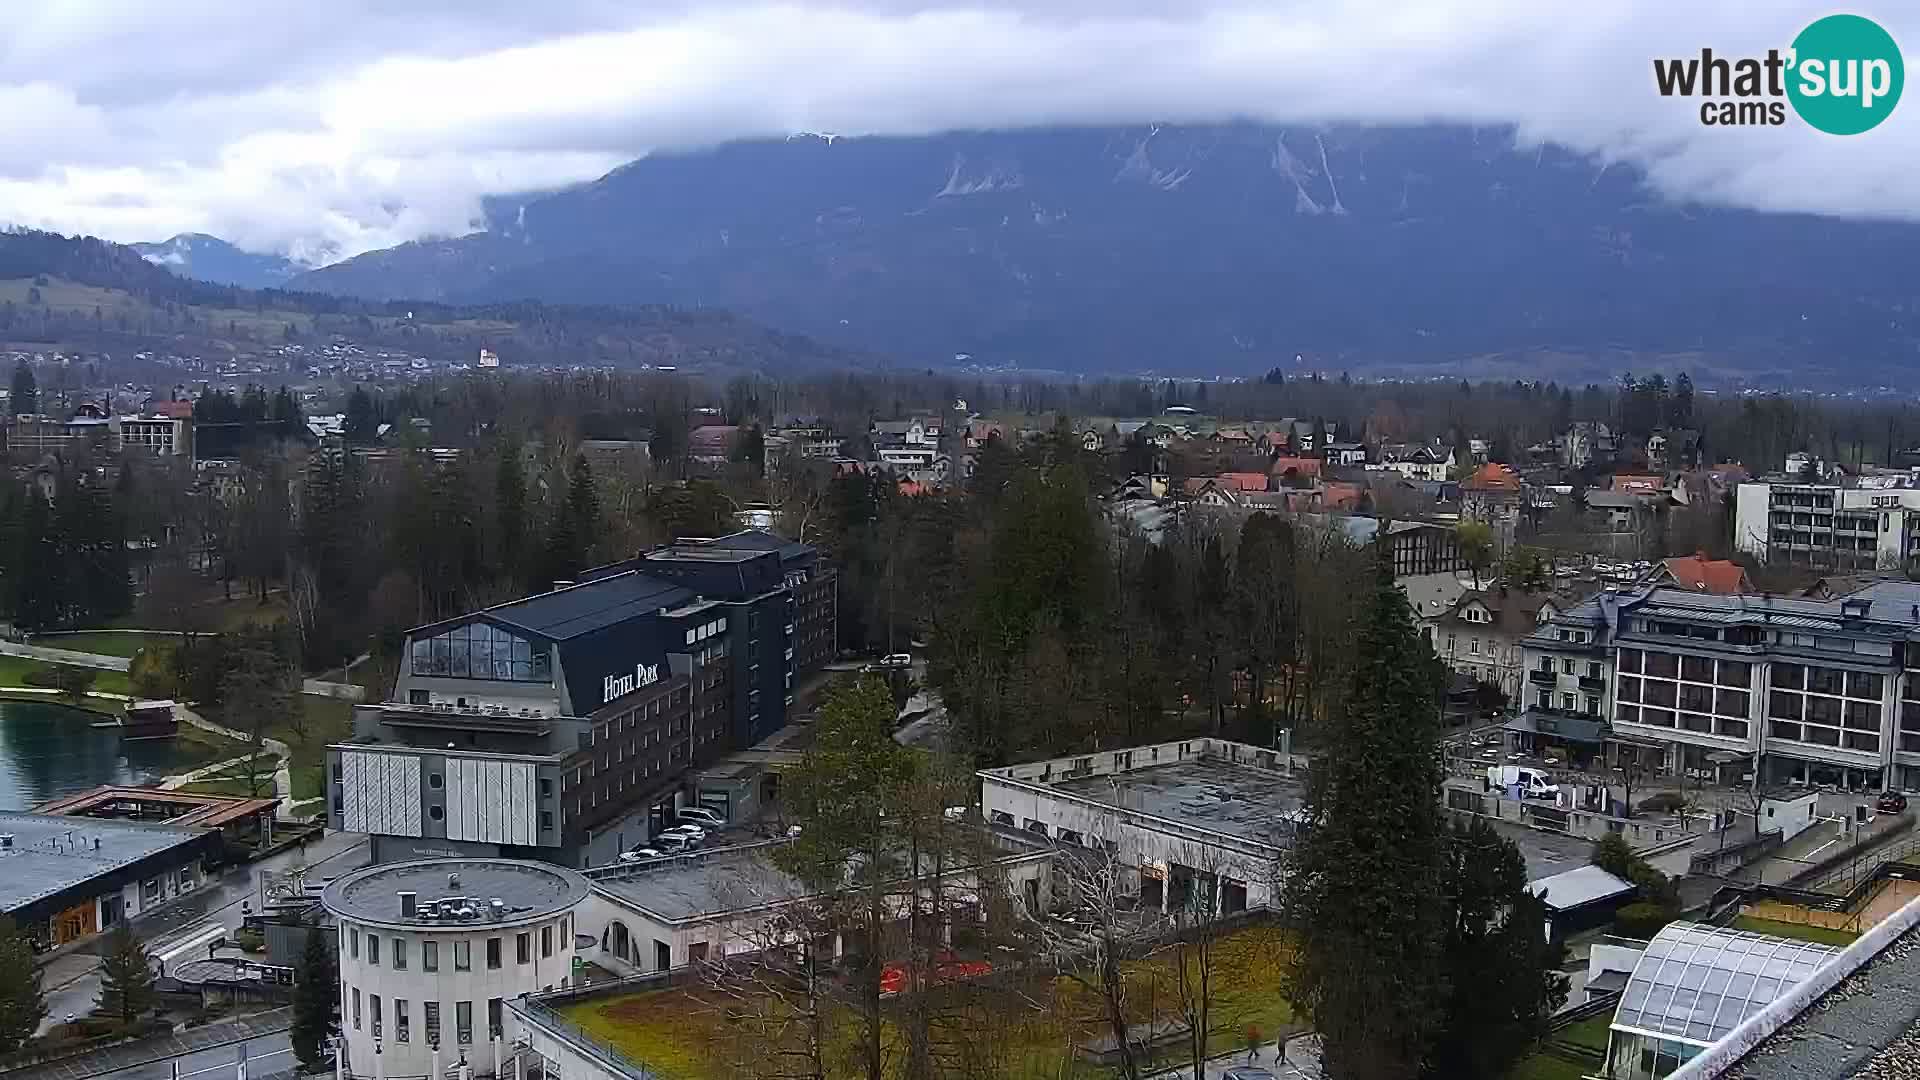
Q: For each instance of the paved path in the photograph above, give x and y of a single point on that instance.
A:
(282, 775)
(65, 656)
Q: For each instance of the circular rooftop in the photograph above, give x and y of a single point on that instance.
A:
(455, 894)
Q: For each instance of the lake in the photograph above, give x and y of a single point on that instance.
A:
(49, 750)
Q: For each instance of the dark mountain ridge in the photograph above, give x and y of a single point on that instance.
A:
(209, 258)
(1192, 250)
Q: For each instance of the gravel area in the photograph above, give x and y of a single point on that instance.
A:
(1866, 1028)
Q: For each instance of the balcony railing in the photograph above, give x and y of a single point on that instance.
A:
(1542, 677)
(1592, 682)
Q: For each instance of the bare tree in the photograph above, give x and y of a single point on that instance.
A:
(776, 990)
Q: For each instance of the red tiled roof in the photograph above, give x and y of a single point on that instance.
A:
(1494, 476)
(1336, 496)
(1701, 574)
(1304, 466)
(1243, 481)
(1630, 482)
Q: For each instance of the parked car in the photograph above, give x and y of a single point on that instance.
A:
(1891, 803)
(897, 660)
(701, 816)
(692, 832)
(642, 854)
(675, 844)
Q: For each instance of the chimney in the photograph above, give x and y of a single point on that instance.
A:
(6, 841)
(409, 904)
(453, 879)
(96, 843)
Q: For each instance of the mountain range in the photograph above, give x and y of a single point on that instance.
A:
(1198, 250)
(209, 258)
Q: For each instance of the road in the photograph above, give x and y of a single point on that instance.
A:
(183, 928)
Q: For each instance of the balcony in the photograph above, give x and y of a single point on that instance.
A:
(1593, 683)
(1542, 677)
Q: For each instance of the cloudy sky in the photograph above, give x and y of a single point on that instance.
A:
(324, 128)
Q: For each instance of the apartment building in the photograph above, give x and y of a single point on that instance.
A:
(1787, 691)
(1568, 694)
(1875, 526)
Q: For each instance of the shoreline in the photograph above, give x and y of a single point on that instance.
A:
(108, 705)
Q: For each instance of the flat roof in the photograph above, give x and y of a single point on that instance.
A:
(1861, 1028)
(1580, 885)
(678, 889)
(584, 608)
(208, 810)
(51, 854)
(1546, 853)
(1205, 792)
(530, 890)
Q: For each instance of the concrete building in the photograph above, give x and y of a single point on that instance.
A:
(430, 950)
(1789, 691)
(668, 913)
(1204, 821)
(1828, 525)
(159, 435)
(565, 726)
(64, 878)
(1567, 698)
(1480, 636)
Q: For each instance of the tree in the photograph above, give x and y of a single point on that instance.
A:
(74, 682)
(1368, 968)
(316, 999)
(510, 513)
(1475, 539)
(1503, 978)
(850, 844)
(575, 528)
(363, 420)
(258, 695)
(126, 977)
(22, 1005)
(26, 394)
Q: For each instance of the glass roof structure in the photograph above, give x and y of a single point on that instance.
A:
(1695, 983)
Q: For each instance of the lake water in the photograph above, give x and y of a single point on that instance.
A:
(49, 750)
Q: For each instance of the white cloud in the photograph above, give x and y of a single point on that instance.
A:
(328, 129)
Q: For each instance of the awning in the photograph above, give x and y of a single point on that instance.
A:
(1566, 726)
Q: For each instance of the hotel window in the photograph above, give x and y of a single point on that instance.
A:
(431, 1010)
(399, 954)
(373, 950)
(373, 1006)
(493, 1018)
(493, 954)
(430, 955)
(481, 651)
(546, 941)
(523, 948)
(356, 1008)
(463, 1020)
(353, 942)
(402, 1029)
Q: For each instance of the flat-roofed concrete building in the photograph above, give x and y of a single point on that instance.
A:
(63, 878)
(1201, 822)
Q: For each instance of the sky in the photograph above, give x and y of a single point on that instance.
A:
(324, 128)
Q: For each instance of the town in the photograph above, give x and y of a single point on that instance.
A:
(477, 721)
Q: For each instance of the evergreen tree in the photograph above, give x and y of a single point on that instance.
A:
(26, 393)
(39, 584)
(126, 977)
(1503, 982)
(363, 420)
(22, 1005)
(576, 526)
(316, 999)
(286, 410)
(510, 514)
(1366, 886)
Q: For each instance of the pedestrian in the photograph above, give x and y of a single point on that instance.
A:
(1253, 1043)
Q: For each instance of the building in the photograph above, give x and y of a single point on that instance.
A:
(1481, 634)
(668, 913)
(430, 950)
(1584, 898)
(1421, 547)
(1693, 985)
(712, 444)
(157, 434)
(564, 726)
(1827, 525)
(63, 878)
(1792, 691)
(489, 358)
(236, 817)
(1568, 695)
(1417, 461)
(1701, 574)
(1198, 823)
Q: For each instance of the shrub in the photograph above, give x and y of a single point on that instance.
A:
(1641, 920)
(154, 670)
(1664, 802)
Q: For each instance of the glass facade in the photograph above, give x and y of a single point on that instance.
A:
(481, 650)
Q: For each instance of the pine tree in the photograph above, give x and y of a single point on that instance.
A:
(363, 420)
(22, 1005)
(26, 393)
(1365, 887)
(316, 999)
(510, 514)
(126, 977)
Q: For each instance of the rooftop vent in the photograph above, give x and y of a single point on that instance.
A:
(409, 904)
(453, 879)
(6, 841)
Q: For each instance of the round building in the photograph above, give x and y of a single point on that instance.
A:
(429, 950)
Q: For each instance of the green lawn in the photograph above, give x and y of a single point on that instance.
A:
(13, 672)
(1545, 1066)
(103, 642)
(1590, 1033)
(686, 1034)
(1800, 932)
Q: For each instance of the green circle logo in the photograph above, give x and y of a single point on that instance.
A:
(1846, 74)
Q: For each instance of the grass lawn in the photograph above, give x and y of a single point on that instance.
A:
(199, 747)
(13, 672)
(1798, 931)
(103, 642)
(687, 1033)
(1545, 1066)
(1590, 1033)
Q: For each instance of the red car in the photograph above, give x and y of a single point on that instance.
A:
(1891, 803)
